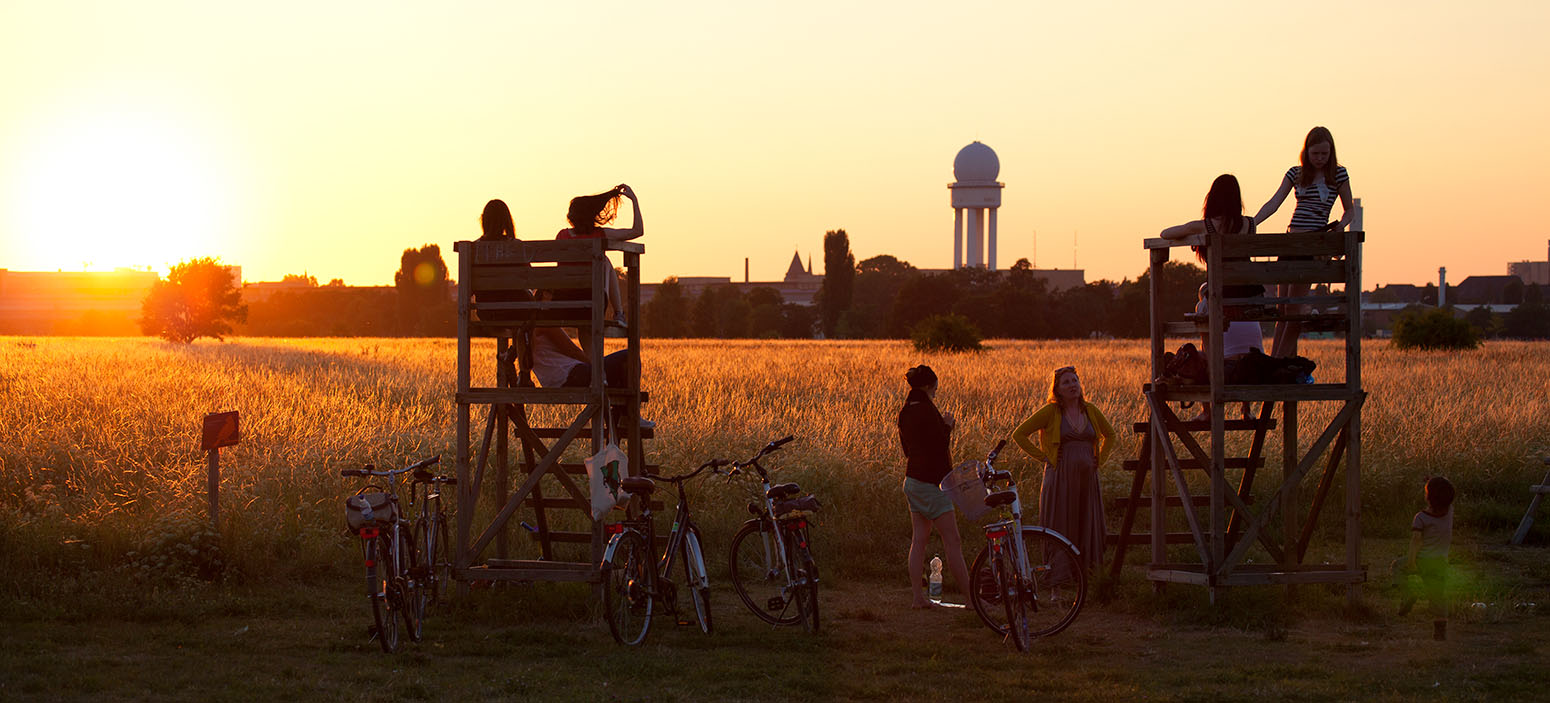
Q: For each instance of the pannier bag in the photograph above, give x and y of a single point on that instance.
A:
(369, 510)
(967, 491)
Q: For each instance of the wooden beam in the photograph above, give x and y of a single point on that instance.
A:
(1325, 481)
(1160, 413)
(1331, 244)
(1194, 449)
(1251, 272)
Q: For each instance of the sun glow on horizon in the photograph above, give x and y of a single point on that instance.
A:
(101, 189)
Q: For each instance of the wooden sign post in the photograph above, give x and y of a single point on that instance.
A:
(220, 430)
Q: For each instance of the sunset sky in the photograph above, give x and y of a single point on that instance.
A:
(327, 137)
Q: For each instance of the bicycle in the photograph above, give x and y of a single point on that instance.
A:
(771, 555)
(1038, 581)
(387, 540)
(632, 584)
(430, 532)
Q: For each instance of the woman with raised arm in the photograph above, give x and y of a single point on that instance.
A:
(925, 435)
(1222, 214)
(1074, 440)
(587, 215)
(1317, 180)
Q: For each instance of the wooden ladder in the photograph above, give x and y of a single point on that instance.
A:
(1142, 469)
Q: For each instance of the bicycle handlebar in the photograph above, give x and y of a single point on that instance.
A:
(370, 470)
(753, 461)
(713, 464)
(996, 452)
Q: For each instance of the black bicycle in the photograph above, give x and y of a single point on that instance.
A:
(430, 533)
(773, 570)
(633, 583)
(392, 558)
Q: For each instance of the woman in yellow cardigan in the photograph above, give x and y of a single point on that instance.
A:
(1075, 439)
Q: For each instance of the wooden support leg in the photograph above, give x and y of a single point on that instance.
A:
(1118, 560)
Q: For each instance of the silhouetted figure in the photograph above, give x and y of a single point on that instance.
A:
(587, 215)
(1318, 180)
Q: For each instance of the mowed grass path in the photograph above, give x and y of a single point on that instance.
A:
(101, 489)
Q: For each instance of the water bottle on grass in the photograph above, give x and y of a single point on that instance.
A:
(935, 581)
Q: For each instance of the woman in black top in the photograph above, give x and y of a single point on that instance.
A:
(924, 434)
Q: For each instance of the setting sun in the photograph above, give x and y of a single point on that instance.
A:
(107, 188)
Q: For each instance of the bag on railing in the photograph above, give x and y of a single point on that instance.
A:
(967, 491)
(364, 510)
(1256, 368)
(605, 470)
(1186, 367)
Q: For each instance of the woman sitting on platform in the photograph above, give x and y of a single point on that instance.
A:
(1074, 440)
(559, 363)
(587, 215)
(1318, 180)
(1222, 214)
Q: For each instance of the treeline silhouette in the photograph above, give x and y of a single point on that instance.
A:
(420, 304)
(888, 297)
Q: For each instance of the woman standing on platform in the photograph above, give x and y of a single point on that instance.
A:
(925, 435)
(1318, 180)
(1074, 440)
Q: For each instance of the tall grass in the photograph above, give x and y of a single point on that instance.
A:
(100, 470)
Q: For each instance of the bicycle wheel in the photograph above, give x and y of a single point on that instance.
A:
(757, 576)
(1059, 582)
(379, 564)
(411, 583)
(696, 581)
(1012, 598)
(805, 591)
(628, 575)
(985, 592)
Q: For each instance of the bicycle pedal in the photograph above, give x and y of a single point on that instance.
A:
(775, 604)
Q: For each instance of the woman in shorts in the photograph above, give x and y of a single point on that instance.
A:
(925, 434)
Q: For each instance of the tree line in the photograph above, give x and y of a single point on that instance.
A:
(884, 297)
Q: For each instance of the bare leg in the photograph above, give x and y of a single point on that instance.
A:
(1284, 343)
(952, 544)
(921, 531)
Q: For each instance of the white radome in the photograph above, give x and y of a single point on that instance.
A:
(976, 163)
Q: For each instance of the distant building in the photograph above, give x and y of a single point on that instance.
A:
(73, 303)
(800, 285)
(1486, 290)
(1532, 272)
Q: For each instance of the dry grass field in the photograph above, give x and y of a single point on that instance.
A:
(102, 484)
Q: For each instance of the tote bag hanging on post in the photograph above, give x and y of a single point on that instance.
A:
(605, 470)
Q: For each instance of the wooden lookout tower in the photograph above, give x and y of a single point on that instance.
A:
(506, 290)
(1233, 544)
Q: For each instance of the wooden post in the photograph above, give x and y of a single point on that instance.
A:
(1159, 489)
(219, 430)
(1353, 381)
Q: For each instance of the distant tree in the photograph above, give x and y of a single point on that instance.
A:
(921, 297)
(798, 321)
(1512, 293)
(336, 283)
(878, 280)
(950, 333)
(839, 280)
(302, 278)
(1530, 319)
(1433, 328)
(765, 315)
(1483, 320)
(665, 314)
(719, 312)
(199, 298)
(425, 306)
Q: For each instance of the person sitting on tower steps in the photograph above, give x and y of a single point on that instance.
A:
(559, 363)
(1238, 339)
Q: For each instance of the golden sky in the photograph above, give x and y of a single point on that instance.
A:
(326, 137)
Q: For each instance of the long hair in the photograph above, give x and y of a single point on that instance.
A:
(1317, 136)
(496, 221)
(589, 212)
(1225, 201)
(1054, 386)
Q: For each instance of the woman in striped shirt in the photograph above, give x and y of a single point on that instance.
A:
(1317, 181)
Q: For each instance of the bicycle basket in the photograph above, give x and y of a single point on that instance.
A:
(967, 491)
(369, 510)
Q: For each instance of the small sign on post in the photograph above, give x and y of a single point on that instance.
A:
(220, 430)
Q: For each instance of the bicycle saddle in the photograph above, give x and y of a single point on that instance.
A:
(783, 490)
(808, 504)
(1000, 498)
(637, 486)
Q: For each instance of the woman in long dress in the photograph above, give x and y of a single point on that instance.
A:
(1074, 440)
